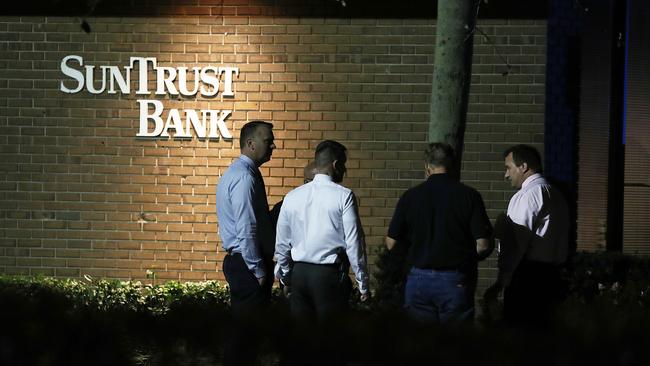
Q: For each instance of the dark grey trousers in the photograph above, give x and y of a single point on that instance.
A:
(318, 291)
(318, 304)
(248, 302)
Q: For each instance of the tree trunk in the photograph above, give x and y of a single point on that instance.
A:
(452, 73)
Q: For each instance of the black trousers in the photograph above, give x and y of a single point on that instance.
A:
(318, 305)
(248, 302)
(318, 291)
(535, 291)
(246, 294)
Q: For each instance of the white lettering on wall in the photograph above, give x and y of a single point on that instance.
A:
(211, 124)
(155, 117)
(206, 81)
(143, 87)
(122, 80)
(75, 74)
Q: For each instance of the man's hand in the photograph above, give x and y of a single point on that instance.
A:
(484, 247)
(364, 297)
(286, 291)
(390, 242)
(492, 307)
(492, 293)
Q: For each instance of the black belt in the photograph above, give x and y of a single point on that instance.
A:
(231, 252)
(333, 265)
(461, 269)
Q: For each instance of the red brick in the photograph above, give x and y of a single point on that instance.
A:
(367, 86)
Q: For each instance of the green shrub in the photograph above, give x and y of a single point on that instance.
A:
(607, 277)
(108, 295)
(389, 279)
(85, 321)
(102, 322)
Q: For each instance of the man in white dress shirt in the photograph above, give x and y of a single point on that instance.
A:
(318, 234)
(534, 242)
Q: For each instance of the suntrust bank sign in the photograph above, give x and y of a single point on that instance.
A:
(206, 81)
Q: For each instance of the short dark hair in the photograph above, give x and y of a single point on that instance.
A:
(440, 154)
(525, 154)
(329, 151)
(249, 129)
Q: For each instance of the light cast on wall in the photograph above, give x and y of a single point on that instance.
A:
(206, 81)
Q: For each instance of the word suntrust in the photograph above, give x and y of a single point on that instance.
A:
(206, 81)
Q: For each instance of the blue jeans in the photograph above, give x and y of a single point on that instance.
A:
(440, 296)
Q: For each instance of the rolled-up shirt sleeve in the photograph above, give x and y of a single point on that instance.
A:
(355, 242)
(243, 198)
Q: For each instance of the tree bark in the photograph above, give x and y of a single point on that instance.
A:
(452, 73)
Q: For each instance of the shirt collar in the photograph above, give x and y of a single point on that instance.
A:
(322, 177)
(248, 161)
(530, 179)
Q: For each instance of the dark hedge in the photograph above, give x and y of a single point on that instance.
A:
(605, 321)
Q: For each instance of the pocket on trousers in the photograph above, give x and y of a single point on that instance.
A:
(462, 281)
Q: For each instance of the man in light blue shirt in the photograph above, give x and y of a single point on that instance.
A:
(247, 235)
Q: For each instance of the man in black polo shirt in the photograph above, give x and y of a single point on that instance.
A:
(444, 225)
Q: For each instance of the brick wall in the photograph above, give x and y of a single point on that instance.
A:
(80, 194)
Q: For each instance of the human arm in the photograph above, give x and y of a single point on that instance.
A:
(503, 235)
(484, 247)
(355, 244)
(283, 246)
(501, 230)
(517, 230)
(243, 198)
(390, 242)
(481, 228)
(398, 227)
